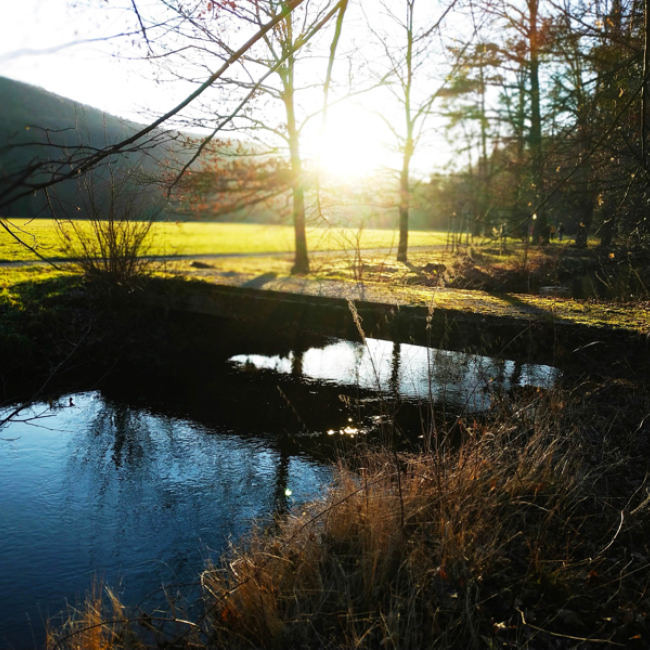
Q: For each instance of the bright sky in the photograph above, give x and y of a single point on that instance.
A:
(33, 39)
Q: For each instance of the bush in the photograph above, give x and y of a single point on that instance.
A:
(113, 242)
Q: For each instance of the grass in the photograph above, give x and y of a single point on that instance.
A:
(24, 284)
(387, 281)
(39, 327)
(384, 280)
(191, 238)
(529, 531)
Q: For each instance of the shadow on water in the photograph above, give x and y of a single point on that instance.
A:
(147, 476)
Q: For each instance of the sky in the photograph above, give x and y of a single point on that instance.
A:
(48, 43)
(33, 39)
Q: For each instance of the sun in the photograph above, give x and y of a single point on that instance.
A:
(352, 145)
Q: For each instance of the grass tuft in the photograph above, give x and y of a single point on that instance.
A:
(99, 624)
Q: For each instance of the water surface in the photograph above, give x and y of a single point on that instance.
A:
(462, 381)
(138, 498)
(144, 478)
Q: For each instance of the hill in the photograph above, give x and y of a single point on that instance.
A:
(37, 124)
(26, 107)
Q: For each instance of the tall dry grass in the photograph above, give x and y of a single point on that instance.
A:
(531, 532)
(100, 623)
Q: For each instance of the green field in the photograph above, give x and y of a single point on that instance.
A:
(216, 238)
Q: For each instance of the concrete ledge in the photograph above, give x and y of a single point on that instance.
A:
(531, 339)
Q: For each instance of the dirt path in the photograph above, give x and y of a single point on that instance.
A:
(220, 256)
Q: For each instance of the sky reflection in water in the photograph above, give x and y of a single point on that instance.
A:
(407, 371)
(101, 488)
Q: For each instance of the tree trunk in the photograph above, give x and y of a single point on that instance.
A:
(608, 230)
(405, 192)
(402, 249)
(301, 261)
(587, 216)
(519, 214)
(536, 117)
(404, 189)
(645, 89)
(484, 226)
(645, 101)
(587, 200)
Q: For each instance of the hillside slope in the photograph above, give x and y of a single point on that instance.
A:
(37, 124)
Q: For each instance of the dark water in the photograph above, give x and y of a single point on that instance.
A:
(143, 479)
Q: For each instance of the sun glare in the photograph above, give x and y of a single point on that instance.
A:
(351, 146)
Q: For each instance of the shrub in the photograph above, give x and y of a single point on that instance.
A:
(112, 243)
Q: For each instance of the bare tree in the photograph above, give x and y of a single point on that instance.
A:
(275, 90)
(407, 43)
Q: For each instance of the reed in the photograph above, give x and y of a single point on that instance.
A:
(100, 623)
(529, 534)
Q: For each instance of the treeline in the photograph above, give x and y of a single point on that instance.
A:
(547, 104)
(551, 110)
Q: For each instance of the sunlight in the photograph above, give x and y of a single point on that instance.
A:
(352, 146)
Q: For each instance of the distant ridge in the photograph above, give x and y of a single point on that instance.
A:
(29, 115)
(23, 105)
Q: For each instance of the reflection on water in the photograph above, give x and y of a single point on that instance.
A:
(101, 487)
(465, 381)
(119, 484)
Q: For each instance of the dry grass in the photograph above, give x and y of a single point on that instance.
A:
(530, 534)
(99, 624)
(527, 530)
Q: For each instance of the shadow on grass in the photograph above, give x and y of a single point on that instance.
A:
(546, 314)
(260, 281)
(40, 293)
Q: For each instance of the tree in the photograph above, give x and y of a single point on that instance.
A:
(598, 100)
(407, 44)
(466, 101)
(574, 105)
(261, 97)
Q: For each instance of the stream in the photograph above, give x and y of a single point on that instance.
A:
(139, 480)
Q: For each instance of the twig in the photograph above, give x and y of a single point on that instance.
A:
(567, 636)
(620, 525)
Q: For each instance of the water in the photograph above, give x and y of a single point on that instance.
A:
(465, 382)
(138, 498)
(143, 480)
